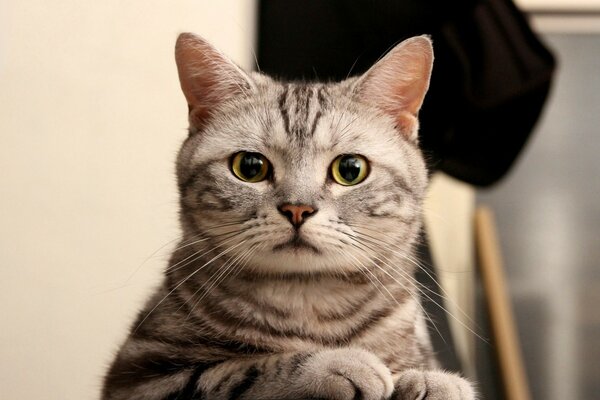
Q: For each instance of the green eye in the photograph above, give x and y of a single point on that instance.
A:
(349, 169)
(250, 167)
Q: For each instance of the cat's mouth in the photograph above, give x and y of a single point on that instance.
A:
(297, 243)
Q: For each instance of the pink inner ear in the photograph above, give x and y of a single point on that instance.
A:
(398, 82)
(407, 123)
(202, 92)
(207, 77)
(413, 92)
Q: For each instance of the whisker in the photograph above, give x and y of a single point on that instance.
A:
(184, 280)
(413, 281)
(410, 280)
(190, 241)
(445, 296)
(374, 276)
(148, 258)
(229, 236)
(409, 292)
(392, 246)
(233, 268)
(222, 273)
(242, 264)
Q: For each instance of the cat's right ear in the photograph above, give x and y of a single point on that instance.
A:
(208, 78)
(397, 83)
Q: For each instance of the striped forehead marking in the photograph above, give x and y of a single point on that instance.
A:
(301, 106)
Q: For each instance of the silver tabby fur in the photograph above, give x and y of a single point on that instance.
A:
(245, 311)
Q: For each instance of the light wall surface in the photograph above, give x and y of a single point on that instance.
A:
(91, 117)
(558, 5)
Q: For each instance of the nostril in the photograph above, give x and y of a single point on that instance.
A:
(307, 212)
(296, 214)
(288, 213)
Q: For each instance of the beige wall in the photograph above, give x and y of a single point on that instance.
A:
(90, 119)
(575, 5)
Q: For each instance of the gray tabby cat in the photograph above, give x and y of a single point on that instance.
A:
(300, 207)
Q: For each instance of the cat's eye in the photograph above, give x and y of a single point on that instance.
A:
(349, 169)
(250, 167)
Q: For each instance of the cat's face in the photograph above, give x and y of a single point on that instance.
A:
(295, 178)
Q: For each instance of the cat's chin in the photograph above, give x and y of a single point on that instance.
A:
(296, 257)
(297, 245)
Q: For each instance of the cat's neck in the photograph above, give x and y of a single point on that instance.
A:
(322, 295)
(317, 308)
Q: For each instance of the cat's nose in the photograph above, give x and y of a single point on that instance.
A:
(296, 213)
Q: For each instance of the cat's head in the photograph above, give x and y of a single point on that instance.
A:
(302, 177)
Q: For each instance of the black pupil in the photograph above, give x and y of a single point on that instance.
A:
(251, 165)
(349, 168)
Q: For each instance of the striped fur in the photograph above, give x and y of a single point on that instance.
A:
(243, 313)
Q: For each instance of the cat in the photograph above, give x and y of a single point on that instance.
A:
(300, 205)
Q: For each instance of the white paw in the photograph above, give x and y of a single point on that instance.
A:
(345, 374)
(415, 384)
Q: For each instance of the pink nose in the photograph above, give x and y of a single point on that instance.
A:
(296, 214)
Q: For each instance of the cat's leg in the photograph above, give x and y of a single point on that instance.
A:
(337, 374)
(415, 384)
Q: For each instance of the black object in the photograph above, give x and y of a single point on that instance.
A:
(490, 79)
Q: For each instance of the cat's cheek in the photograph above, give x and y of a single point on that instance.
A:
(338, 191)
(355, 203)
(245, 195)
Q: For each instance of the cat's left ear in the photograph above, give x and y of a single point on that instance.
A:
(397, 83)
(208, 78)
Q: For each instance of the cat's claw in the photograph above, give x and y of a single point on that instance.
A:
(416, 384)
(345, 374)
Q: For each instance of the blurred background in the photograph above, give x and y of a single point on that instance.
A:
(548, 217)
(91, 119)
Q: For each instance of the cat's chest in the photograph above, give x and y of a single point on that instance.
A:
(327, 314)
(301, 303)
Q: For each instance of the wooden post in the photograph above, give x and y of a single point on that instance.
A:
(501, 317)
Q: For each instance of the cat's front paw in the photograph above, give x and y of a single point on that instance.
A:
(415, 384)
(345, 374)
